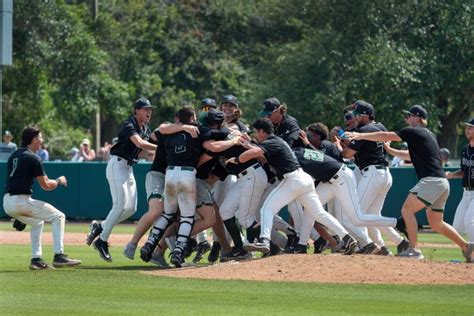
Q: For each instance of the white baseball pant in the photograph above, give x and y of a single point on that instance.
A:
(123, 189)
(372, 190)
(464, 216)
(34, 212)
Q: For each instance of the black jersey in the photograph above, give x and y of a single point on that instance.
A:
(424, 151)
(289, 130)
(369, 152)
(467, 166)
(159, 162)
(125, 148)
(233, 168)
(317, 164)
(22, 167)
(330, 149)
(279, 155)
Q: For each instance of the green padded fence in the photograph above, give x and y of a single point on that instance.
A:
(87, 195)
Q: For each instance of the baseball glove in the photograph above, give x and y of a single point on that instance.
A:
(19, 226)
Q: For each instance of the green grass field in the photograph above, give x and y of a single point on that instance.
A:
(101, 288)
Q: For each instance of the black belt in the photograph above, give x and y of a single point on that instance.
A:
(243, 173)
(336, 176)
(180, 167)
(272, 180)
(376, 167)
(129, 162)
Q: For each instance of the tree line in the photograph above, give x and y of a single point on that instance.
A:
(74, 58)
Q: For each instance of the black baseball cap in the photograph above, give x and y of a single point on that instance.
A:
(363, 108)
(214, 116)
(269, 106)
(208, 103)
(417, 110)
(143, 103)
(230, 99)
(470, 122)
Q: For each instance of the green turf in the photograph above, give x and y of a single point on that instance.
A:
(72, 227)
(101, 288)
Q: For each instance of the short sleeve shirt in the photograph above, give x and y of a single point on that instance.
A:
(467, 166)
(289, 130)
(124, 147)
(279, 155)
(330, 149)
(317, 164)
(369, 152)
(23, 167)
(424, 151)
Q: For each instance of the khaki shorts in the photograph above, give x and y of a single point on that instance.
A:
(433, 191)
(203, 193)
(154, 185)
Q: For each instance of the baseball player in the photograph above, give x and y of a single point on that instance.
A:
(432, 189)
(23, 166)
(295, 185)
(375, 180)
(154, 186)
(133, 137)
(464, 216)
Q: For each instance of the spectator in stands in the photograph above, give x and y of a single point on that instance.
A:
(444, 154)
(7, 147)
(397, 161)
(43, 153)
(85, 153)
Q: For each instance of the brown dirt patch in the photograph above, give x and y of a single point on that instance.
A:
(326, 268)
(332, 268)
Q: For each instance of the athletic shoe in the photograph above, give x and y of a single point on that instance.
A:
(129, 250)
(263, 246)
(177, 258)
(274, 250)
(159, 260)
(214, 254)
(61, 260)
(39, 264)
(201, 250)
(235, 254)
(370, 249)
(95, 231)
(298, 249)
(401, 227)
(347, 245)
(103, 248)
(469, 254)
(18, 225)
(191, 245)
(384, 251)
(319, 245)
(291, 242)
(411, 253)
(402, 246)
(146, 251)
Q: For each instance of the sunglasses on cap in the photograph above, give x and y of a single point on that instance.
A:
(348, 116)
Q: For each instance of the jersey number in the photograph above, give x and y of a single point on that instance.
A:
(15, 164)
(313, 155)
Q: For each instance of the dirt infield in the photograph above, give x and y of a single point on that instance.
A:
(326, 268)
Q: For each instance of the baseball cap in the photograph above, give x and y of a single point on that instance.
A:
(444, 153)
(143, 103)
(85, 141)
(348, 116)
(208, 103)
(7, 133)
(230, 99)
(470, 122)
(417, 110)
(214, 116)
(404, 145)
(269, 106)
(73, 151)
(363, 108)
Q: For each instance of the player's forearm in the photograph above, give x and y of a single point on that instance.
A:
(250, 154)
(403, 154)
(170, 128)
(375, 136)
(455, 175)
(220, 146)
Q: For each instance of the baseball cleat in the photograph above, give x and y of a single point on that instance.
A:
(201, 250)
(214, 254)
(299, 249)
(319, 245)
(61, 260)
(262, 246)
(95, 230)
(39, 264)
(146, 251)
(370, 249)
(129, 250)
(401, 227)
(177, 258)
(469, 254)
(412, 253)
(235, 255)
(348, 245)
(103, 248)
(291, 242)
(402, 246)
(384, 251)
(159, 260)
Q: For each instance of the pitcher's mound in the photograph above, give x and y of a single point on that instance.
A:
(332, 268)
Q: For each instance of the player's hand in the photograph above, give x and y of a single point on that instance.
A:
(245, 143)
(449, 175)
(386, 145)
(304, 137)
(191, 130)
(232, 160)
(352, 135)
